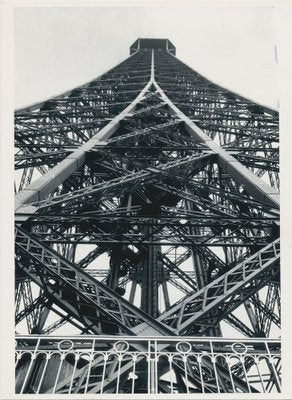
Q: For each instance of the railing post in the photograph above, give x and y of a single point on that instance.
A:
(152, 374)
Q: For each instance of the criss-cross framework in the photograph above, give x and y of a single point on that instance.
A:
(147, 235)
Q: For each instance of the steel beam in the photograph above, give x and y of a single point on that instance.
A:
(254, 185)
(41, 188)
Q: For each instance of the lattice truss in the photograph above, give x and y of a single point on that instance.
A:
(147, 204)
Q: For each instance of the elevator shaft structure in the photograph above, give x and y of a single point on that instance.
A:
(147, 236)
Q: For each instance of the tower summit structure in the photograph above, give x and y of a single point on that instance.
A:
(147, 236)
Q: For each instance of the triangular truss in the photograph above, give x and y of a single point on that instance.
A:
(148, 206)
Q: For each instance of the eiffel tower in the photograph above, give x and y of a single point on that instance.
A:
(147, 236)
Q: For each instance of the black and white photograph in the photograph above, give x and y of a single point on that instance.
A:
(146, 198)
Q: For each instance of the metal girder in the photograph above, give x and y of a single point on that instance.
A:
(223, 115)
(174, 267)
(40, 300)
(33, 310)
(267, 313)
(230, 318)
(255, 186)
(69, 94)
(61, 278)
(51, 328)
(109, 189)
(178, 317)
(164, 220)
(206, 238)
(138, 157)
(39, 189)
(152, 80)
(239, 325)
(193, 307)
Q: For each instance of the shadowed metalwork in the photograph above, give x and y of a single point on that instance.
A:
(147, 219)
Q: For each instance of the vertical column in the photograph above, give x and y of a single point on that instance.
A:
(150, 273)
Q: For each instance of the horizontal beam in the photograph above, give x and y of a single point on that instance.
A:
(109, 188)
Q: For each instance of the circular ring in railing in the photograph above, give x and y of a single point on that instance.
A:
(183, 347)
(65, 345)
(118, 346)
(239, 348)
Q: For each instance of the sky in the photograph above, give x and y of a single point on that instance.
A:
(59, 48)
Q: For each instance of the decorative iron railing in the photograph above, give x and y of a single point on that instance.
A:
(170, 365)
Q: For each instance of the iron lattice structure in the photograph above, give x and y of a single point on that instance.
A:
(147, 219)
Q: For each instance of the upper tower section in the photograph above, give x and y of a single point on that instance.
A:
(140, 44)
